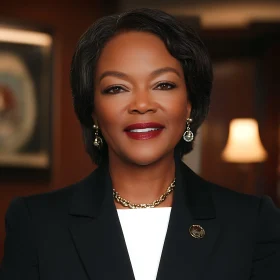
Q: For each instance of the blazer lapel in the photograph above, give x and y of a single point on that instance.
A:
(96, 230)
(99, 241)
(183, 256)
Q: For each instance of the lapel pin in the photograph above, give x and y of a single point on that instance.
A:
(197, 231)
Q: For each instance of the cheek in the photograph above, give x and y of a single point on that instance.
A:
(179, 108)
(106, 119)
(180, 113)
(179, 124)
(107, 115)
(103, 109)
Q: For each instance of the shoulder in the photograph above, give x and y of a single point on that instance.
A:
(250, 224)
(221, 196)
(234, 204)
(231, 199)
(256, 210)
(229, 203)
(53, 204)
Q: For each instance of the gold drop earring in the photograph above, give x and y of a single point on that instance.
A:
(97, 142)
(188, 135)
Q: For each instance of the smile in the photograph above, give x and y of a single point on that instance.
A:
(144, 131)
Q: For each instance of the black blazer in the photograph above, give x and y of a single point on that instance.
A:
(75, 233)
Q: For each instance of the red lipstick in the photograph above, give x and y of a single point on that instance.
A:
(144, 131)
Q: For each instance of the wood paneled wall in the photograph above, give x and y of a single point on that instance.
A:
(232, 97)
(70, 163)
(246, 85)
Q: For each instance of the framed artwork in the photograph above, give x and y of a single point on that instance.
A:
(26, 70)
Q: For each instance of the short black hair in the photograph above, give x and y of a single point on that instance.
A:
(181, 41)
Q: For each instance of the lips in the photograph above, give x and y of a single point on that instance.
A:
(143, 131)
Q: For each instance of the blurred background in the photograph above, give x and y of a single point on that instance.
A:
(40, 139)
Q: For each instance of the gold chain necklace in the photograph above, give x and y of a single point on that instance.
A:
(127, 203)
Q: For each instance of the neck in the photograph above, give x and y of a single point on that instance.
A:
(142, 184)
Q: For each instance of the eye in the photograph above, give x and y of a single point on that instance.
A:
(114, 90)
(165, 86)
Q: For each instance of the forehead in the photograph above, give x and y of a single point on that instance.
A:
(134, 50)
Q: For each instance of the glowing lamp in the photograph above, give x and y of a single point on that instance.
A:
(244, 144)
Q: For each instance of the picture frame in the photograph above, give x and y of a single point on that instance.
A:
(26, 86)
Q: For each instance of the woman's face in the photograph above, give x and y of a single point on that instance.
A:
(140, 97)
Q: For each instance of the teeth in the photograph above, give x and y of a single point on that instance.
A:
(143, 130)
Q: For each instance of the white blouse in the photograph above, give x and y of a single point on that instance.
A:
(144, 232)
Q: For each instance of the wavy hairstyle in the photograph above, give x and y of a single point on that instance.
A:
(181, 41)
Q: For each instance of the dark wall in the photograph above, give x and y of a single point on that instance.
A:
(246, 85)
(70, 163)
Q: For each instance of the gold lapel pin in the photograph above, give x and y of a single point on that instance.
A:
(197, 231)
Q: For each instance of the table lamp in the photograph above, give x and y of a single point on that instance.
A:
(244, 147)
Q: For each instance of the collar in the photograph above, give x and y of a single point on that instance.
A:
(94, 193)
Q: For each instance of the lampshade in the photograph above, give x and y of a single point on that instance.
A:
(244, 144)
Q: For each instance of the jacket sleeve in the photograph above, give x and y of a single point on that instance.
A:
(266, 258)
(20, 260)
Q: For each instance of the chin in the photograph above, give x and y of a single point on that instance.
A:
(144, 158)
(141, 155)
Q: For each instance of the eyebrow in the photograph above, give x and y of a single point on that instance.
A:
(114, 74)
(165, 70)
(125, 76)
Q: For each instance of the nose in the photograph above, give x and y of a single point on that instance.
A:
(142, 102)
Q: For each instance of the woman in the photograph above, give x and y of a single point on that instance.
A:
(141, 86)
